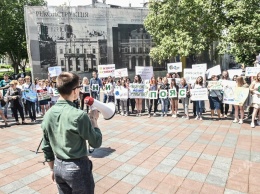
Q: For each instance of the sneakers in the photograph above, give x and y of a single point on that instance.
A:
(126, 115)
(165, 115)
(122, 113)
(162, 115)
(154, 114)
(240, 121)
(149, 115)
(174, 116)
(252, 125)
(201, 119)
(235, 120)
(197, 118)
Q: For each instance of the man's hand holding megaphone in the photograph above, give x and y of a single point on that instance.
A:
(107, 110)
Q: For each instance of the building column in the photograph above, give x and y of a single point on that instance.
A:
(143, 61)
(74, 64)
(136, 61)
(130, 62)
(81, 61)
(67, 64)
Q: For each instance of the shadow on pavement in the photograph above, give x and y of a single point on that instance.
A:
(102, 152)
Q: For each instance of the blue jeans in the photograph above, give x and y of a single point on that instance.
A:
(199, 107)
(165, 102)
(105, 98)
(74, 176)
(95, 95)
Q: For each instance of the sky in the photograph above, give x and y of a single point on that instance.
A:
(134, 3)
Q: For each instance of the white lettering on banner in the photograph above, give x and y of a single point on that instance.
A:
(106, 70)
(121, 73)
(199, 94)
(182, 93)
(146, 73)
(172, 93)
(192, 74)
(202, 66)
(95, 88)
(174, 67)
(252, 71)
(163, 94)
(153, 94)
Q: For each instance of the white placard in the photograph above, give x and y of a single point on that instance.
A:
(233, 72)
(163, 94)
(216, 70)
(106, 70)
(121, 93)
(137, 90)
(174, 67)
(199, 94)
(192, 74)
(54, 71)
(252, 71)
(182, 93)
(87, 88)
(95, 88)
(121, 73)
(172, 93)
(153, 94)
(144, 72)
(202, 66)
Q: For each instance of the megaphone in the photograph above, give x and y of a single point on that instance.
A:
(107, 110)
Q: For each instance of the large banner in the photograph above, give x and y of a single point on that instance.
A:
(146, 73)
(79, 39)
(192, 74)
(137, 91)
(106, 70)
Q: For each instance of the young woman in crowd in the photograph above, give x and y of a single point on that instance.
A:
(233, 107)
(138, 101)
(185, 101)
(214, 100)
(123, 102)
(84, 93)
(37, 105)
(174, 101)
(30, 105)
(159, 83)
(223, 106)
(110, 94)
(1, 110)
(54, 93)
(255, 90)
(14, 96)
(240, 83)
(104, 82)
(153, 102)
(165, 101)
(118, 84)
(200, 103)
(43, 103)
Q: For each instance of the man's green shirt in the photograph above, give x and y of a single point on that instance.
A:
(65, 131)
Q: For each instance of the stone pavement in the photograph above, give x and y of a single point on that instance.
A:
(145, 155)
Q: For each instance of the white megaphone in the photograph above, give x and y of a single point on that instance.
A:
(107, 110)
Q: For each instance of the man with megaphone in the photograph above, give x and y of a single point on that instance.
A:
(65, 131)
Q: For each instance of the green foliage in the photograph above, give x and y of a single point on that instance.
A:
(12, 29)
(186, 27)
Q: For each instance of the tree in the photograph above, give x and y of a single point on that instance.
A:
(12, 30)
(183, 27)
(241, 36)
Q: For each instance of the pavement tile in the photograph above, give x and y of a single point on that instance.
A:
(148, 184)
(139, 190)
(164, 188)
(231, 191)
(209, 188)
(173, 180)
(132, 179)
(179, 172)
(107, 182)
(119, 188)
(191, 184)
(11, 187)
(197, 176)
(156, 175)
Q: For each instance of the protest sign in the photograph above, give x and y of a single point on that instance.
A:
(30, 95)
(153, 94)
(199, 94)
(121, 73)
(106, 70)
(137, 90)
(95, 88)
(233, 72)
(163, 94)
(215, 85)
(121, 93)
(172, 93)
(108, 87)
(256, 98)
(55, 92)
(144, 72)
(43, 95)
(227, 83)
(182, 93)
(192, 74)
(87, 88)
(235, 95)
(216, 70)
(174, 67)
(54, 71)
(229, 95)
(146, 88)
(177, 80)
(252, 71)
(202, 66)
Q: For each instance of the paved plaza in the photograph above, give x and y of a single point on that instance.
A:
(145, 155)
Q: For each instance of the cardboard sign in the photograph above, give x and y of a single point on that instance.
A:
(252, 71)
(182, 93)
(233, 72)
(192, 74)
(215, 85)
(174, 67)
(235, 95)
(121, 93)
(54, 71)
(216, 70)
(29, 95)
(43, 95)
(87, 89)
(146, 73)
(121, 73)
(55, 92)
(137, 90)
(202, 66)
(256, 98)
(153, 94)
(163, 94)
(108, 87)
(199, 94)
(173, 93)
(95, 88)
(106, 70)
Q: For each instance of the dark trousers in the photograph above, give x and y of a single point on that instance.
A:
(222, 108)
(105, 98)
(132, 102)
(15, 110)
(153, 103)
(74, 176)
(84, 95)
(31, 109)
(118, 104)
(111, 98)
(194, 108)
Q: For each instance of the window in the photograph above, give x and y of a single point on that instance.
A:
(77, 50)
(69, 50)
(85, 51)
(62, 62)
(134, 50)
(61, 51)
(93, 51)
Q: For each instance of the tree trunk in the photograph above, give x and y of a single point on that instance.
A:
(16, 68)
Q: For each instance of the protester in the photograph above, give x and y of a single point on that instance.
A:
(4, 85)
(44, 102)
(165, 101)
(14, 96)
(30, 105)
(84, 93)
(65, 131)
(225, 76)
(123, 101)
(174, 100)
(138, 101)
(199, 103)
(255, 90)
(153, 102)
(95, 81)
(1, 111)
(214, 99)
(185, 101)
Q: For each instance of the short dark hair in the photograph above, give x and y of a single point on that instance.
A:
(66, 82)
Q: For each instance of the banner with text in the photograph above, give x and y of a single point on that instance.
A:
(121, 73)
(202, 66)
(192, 74)
(144, 72)
(174, 67)
(215, 85)
(199, 94)
(137, 90)
(252, 71)
(106, 70)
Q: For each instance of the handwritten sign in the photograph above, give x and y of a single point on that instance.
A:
(43, 95)
(54, 71)
(29, 95)
(252, 71)
(106, 70)
(121, 73)
(199, 94)
(145, 72)
(235, 95)
(215, 85)
(137, 90)
(202, 66)
(174, 67)
(192, 74)
(121, 93)
(216, 70)
(233, 72)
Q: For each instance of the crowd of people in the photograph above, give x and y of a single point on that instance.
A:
(175, 107)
